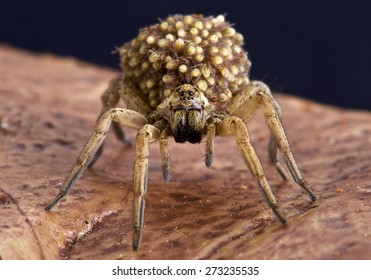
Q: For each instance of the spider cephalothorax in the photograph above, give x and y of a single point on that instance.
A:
(185, 111)
(187, 77)
(187, 115)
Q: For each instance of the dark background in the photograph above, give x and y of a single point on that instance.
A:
(316, 49)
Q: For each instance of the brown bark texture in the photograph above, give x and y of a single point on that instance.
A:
(48, 109)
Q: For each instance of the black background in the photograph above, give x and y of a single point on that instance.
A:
(320, 50)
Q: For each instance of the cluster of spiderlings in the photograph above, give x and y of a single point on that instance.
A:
(203, 51)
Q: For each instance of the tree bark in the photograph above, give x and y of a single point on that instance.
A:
(48, 109)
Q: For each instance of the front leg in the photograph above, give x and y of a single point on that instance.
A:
(210, 137)
(124, 117)
(165, 159)
(246, 103)
(146, 135)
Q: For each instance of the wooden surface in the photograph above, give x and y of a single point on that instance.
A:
(48, 108)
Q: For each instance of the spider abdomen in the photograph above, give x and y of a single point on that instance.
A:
(206, 52)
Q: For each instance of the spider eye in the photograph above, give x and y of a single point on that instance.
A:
(190, 93)
(182, 93)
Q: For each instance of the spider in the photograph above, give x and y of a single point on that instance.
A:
(186, 77)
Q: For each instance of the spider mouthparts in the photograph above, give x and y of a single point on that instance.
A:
(187, 125)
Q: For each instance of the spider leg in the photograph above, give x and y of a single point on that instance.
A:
(117, 89)
(148, 133)
(257, 94)
(210, 137)
(165, 159)
(96, 156)
(236, 126)
(274, 150)
(274, 156)
(110, 99)
(124, 117)
(120, 135)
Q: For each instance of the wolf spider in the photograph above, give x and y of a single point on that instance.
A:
(185, 112)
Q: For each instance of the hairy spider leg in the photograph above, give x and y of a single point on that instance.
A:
(124, 117)
(274, 156)
(236, 127)
(146, 135)
(256, 95)
(110, 99)
(165, 158)
(210, 139)
(273, 148)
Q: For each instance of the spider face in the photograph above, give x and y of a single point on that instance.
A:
(187, 114)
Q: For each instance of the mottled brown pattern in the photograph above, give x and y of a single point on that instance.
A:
(217, 213)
